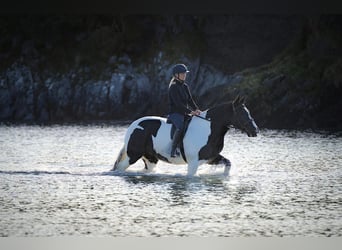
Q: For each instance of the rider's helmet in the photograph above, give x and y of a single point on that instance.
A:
(179, 68)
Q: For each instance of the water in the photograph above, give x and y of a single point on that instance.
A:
(56, 181)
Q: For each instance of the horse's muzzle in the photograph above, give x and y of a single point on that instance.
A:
(252, 134)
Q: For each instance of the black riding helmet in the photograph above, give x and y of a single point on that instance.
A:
(179, 68)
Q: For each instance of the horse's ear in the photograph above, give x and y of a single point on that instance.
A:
(243, 99)
(239, 100)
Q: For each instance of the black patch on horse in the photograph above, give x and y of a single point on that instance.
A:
(160, 157)
(141, 144)
(151, 126)
(214, 145)
(217, 131)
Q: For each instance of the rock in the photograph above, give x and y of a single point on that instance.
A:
(96, 99)
(209, 77)
(112, 60)
(24, 105)
(60, 99)
(42, 107)
(6, 105)
(79, 102)
(125, 59)
(115, 90)
(20, 84)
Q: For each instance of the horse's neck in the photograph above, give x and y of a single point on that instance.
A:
(221, 115)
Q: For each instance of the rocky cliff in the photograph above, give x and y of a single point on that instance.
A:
(83, 68)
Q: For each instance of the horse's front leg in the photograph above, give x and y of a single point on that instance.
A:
(192, 168)
(222, 160)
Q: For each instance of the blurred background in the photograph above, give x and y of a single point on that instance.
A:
(85, 68)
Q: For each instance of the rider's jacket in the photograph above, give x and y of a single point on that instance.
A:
(180, 99)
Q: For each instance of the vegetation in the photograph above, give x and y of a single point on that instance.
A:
(296, 85)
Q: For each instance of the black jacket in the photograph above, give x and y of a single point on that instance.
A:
(180, 98)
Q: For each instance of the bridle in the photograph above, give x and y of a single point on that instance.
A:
(241, 124)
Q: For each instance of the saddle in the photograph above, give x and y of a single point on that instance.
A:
(187, 120)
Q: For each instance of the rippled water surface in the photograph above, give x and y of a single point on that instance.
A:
(56, 180)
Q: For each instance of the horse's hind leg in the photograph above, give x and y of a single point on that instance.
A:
(222, 160)
(122, 161)
(150, 163)
(227, 166)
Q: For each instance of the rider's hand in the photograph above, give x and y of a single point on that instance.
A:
(196, 112)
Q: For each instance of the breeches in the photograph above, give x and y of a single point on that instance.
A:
(177, 120)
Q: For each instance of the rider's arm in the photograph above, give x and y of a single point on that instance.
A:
(176, 100)
(191, 101)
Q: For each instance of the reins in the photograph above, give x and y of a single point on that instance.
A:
(238, 120)
(207, 119)
(234, 112)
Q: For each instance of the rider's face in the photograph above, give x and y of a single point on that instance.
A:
(182, 76)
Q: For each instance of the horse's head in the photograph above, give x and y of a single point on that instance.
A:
(242, 118)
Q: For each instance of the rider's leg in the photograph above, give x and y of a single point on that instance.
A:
(175, 141)
(178, 120)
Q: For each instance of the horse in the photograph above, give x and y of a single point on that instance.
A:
(150, 138)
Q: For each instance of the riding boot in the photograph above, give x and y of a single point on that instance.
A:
(175, 142)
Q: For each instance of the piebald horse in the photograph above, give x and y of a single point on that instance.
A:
(149, 138)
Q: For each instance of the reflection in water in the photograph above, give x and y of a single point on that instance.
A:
(56, 181)
(179, 187)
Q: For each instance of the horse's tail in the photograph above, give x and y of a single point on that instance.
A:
(121, 156)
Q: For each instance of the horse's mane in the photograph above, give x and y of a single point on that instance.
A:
(221, 105)
(238, 100)
(225, 108)
(219, 110)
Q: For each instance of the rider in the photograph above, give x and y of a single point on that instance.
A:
(180, 102)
